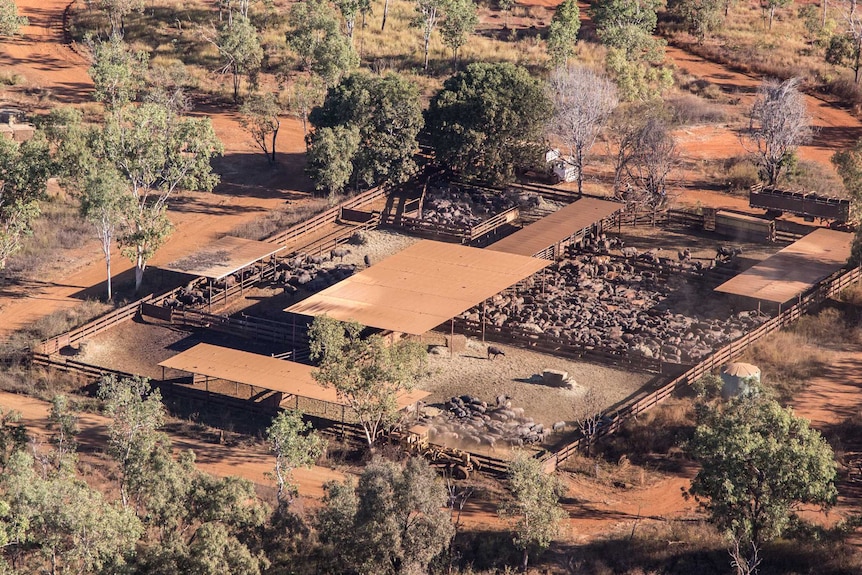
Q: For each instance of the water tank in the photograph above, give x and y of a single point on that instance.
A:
(737, 378)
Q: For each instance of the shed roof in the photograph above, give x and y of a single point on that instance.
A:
(556, 227)
(799, 266)
(223, 257)
(420, 287)
(263, 371)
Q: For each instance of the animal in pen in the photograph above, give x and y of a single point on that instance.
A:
(494, 352)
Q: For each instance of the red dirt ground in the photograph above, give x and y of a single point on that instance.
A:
(44, 61)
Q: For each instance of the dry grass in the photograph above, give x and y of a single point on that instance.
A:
(58, 230)
(272, 222)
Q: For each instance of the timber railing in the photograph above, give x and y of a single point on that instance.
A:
(449, 232)
(644, 401)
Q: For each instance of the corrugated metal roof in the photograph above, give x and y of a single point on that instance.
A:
(420, 287)
(223, 257)
(796, 268)
(556, 227)
(265, 372)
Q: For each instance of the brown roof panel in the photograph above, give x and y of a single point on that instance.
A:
(420, 287)
(793, 270)
(556, 227)
(265, 372)
(223, 257)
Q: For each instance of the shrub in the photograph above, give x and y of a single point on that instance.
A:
(688, 109)
(740, 174)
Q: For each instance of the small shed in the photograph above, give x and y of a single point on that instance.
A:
(737, 378)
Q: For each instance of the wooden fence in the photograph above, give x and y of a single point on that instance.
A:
(642, 402)
(323, 219)
(447, 232)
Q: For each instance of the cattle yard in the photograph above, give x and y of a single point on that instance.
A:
(575, 287)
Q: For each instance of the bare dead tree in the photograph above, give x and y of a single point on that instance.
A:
(778, 124)
(623, 128)
(655, 155)
(583, 101)
(589, 412)
(745, 563)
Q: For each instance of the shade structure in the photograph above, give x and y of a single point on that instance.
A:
(741, 369)
(223, 257)
(793, 270)
(556, 227)
(265, 372)
(420, 287)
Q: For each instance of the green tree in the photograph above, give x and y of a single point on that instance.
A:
(394, 521)
(506, 7)
(487, 120)
(260, 118)
(240, 50)
(350, 9)
(367, 373)
(845, 50)
(105, 203)
(13, 436)
(428, 12)
(64, 424)
(461, 18)
(634, 55)
(701, 17)
(137, 413)
(534, 507)
(330, 157)
(563, 32)
(62, 523)
(387, 113)
(848, 164)
(306, 94)
(758, 463)
(293, 445)
(118, 73)
(10, 21)
(156, 152)
(117, 11)
(24, 171)
(778, 123)
(315, 36)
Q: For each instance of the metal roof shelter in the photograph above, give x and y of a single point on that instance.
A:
(420, 287)
(799, 266)
(265, 372)
(223, 257)
(557, 227)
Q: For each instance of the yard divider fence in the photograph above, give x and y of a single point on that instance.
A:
(642, 402)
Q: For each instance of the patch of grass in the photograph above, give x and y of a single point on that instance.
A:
(784, 371)
(740, 174)
(277, 221)
(688, 109)
(56, 232)
(11, 79)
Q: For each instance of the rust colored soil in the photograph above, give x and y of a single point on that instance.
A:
(249, 188)
(249, 462)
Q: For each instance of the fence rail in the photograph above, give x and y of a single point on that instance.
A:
(642, 402)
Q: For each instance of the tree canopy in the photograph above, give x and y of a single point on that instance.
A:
(386, 113)
(393, 522)
(563, 32)
(367, 372)
(241, 53)
(24, 171)
(535, 505)
(315, 37)
(758, 461)
(488, 120)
